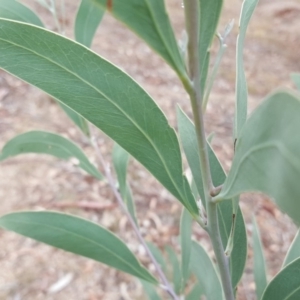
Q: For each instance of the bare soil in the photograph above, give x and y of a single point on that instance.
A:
(30, 270)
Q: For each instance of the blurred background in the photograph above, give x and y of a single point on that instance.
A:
(30, 270)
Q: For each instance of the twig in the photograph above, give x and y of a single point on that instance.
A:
(84, 205)
(166, 285)
(192, 12)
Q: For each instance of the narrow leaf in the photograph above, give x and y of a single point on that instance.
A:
(286, 284)
(209, 18)
(205, 271)
(78, 236)
(151, 23)
(186, 223)
(296, 79)
(120, 161)
(267, 154)
(88, 18)
(130, 203)
(14, 10)
(78, 120)
(102, 94)
(260, 274)
(241, 83)
(150, 290)
(294, 250)
(216, 66)
(158, 256)
(195, 293)
(48, 143)
(188, 138)
(176, 274)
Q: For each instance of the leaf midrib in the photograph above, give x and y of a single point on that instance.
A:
(107, 98)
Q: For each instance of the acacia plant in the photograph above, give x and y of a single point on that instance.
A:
(91, 90)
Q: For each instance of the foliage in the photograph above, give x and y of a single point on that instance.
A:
(91, 90)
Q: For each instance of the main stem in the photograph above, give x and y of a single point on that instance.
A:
(166, 285)
(192, 14)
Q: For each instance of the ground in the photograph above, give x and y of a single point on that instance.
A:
(29, 270)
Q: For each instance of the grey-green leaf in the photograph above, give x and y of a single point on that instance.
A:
(14, 10)
(205, 271)
(120, 160)
(296, 79)
(149, 20)
(294, 250)
(87, 20)
(188, 138)
(11, 9)
(150, 290)
(78, 120)
(241, 82)
(286, 284)
(209, 18)
(102, 94)
(195, 293)
(260, 274)
(158, 256)
(186, 223)
(267, 154)
(48, 143)
(176, 274)
(78, 236)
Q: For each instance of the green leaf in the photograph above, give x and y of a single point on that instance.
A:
(267, 154)
(209, 18)
(176, 273)
(285, 285)
(48, 143)
(79, 121)
(14, 10)
(11, 9)
(239, 252)
(78, 236)
(120, 161)
(150, 290)
(188, 138)
(294, 250)
(186, 223)
(158, 256)
(296, 79)
(217, 63)
(87, 20)
(260, 274)
(205, 271)
(151, 23)
(102, 94)
(195, 293)
(241, 83)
